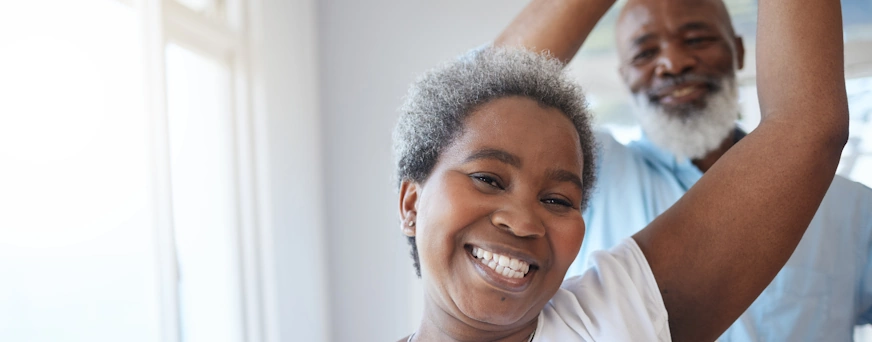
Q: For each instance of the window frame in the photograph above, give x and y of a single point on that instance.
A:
(228, 41)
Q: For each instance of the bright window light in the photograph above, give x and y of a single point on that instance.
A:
(76, 244)
(205, 216)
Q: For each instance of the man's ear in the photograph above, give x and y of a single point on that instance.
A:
(740, 53)
(409, 207)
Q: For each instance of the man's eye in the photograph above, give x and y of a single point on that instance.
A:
(697, 40)
(644, 55)
(489, 181)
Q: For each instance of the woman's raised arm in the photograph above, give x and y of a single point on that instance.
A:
(724, 241)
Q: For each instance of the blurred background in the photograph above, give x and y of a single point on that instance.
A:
(220, 170)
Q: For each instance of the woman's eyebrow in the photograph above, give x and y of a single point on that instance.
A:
(562, 175)
(493, 153)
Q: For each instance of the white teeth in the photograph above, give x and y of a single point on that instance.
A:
(507, 271)
(504, 260)
(682, 91)
(504, 265)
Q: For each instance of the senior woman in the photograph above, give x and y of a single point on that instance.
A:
(495, 163)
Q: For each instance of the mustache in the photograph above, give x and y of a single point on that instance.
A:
(711, 82)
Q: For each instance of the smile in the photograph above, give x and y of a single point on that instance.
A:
(502, 264)
(681, 92)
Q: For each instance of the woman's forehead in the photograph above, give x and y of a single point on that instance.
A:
(522, 127)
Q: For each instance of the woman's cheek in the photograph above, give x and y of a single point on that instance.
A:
(567, 241)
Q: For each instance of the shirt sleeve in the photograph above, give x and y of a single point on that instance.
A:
(619, 297)
(471, 53)
(865, 281)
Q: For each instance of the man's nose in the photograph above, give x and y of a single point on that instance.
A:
(674, 61)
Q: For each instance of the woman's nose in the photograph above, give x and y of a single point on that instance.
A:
(520, 219)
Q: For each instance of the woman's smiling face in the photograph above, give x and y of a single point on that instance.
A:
(508, 186)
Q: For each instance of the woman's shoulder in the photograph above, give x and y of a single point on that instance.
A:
(622, 268)
(616, 299)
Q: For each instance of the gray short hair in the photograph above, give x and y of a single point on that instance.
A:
(437, 103)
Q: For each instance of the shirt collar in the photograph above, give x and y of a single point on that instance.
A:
(682, 167)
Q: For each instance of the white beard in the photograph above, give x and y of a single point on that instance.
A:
(697, 132)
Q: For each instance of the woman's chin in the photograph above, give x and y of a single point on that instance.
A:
(496, 316)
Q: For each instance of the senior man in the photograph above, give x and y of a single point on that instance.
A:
(679, 60)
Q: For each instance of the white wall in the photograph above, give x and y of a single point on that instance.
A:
(370, 51)
(295, 272)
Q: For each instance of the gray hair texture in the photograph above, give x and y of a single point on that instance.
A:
(437, 104)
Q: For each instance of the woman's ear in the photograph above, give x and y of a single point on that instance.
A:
(408, 207)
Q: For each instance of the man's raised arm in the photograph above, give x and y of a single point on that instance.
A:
(559, 27)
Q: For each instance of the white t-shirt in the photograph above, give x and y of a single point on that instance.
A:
(616, 300)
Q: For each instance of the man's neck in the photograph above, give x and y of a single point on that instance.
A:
(704, 163)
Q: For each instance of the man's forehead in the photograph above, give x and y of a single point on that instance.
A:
(639, 17)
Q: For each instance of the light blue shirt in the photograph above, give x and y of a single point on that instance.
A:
(820, 295)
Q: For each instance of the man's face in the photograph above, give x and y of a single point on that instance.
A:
(675, 54)
(679, 59)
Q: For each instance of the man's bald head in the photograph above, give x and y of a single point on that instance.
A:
(637, 13)
(717, 8)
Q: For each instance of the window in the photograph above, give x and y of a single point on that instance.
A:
(204, 208)
(857, 159)
(127, 173)
(856, 162)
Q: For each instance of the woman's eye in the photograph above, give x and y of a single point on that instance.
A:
(489, 181)
(557, 201)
